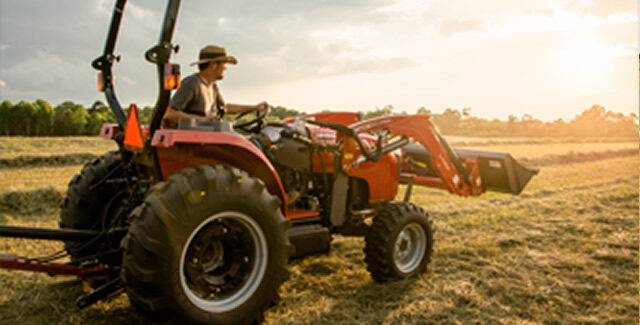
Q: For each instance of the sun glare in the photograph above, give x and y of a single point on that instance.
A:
(583, 58)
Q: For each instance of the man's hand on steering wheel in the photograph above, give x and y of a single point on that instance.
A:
(261, 111)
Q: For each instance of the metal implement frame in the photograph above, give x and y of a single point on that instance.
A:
(25, 264)
(37, 265)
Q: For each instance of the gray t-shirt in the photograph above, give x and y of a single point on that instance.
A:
(196, 97)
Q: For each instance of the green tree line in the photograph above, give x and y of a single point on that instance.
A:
(595, 121)
(68, 118)
(41, 119)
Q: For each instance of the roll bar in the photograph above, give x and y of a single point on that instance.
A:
(105, 62)
(158, 55)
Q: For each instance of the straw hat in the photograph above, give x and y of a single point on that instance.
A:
(211, 53)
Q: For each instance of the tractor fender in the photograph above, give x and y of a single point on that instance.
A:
(180, 149)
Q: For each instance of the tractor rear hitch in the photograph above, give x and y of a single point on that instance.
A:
(21, 263)
(78, 235)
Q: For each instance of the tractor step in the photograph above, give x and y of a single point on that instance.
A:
(309, 239)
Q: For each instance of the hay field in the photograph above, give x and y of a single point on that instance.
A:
(564, 251)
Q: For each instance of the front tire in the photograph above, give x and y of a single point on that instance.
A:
(208, 246)
(400, 242)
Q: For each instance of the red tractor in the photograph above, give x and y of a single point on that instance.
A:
(194, 222)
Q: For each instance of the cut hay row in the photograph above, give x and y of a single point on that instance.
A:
(38, 201)
(565, 251)
(564, 254)
(547, 160)
(478, 142)
(577, 157)
(54, 160)
(529, 199)
(568, 255)
(47, 200)
(11, 147)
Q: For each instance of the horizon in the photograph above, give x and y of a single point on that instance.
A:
(548, 59)
(394, 111)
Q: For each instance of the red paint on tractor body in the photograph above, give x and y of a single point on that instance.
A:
(344, 118)
(381, 176)
(294, 213)
(109, 131)
(422, 130)
(180, 149)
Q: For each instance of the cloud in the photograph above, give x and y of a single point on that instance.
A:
(451, 27)
(140, 13)
(45, 71)
(409, 10)
(623, 50)
(368, 52)
(49, 56)
(563, 19)
(540, 11)
(602, 8)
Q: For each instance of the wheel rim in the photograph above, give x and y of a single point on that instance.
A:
(410, 247)
(223, 262)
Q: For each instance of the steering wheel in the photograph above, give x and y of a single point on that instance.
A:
(249, 125)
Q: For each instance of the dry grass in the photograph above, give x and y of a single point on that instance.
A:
(485, 141)
(11, 147)
(529, 150)
(12, 179)
(564, 251)
(576, 157)
(54, 160)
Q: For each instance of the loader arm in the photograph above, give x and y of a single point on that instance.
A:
(455, 175)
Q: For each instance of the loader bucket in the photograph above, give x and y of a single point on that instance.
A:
(499, 171)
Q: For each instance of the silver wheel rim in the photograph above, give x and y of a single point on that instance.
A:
(255, 265)
(409, 248)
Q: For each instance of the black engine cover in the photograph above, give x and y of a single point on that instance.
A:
(292, 154)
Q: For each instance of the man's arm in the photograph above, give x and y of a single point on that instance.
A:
(173, 115)
(182, 97)
(236, 108)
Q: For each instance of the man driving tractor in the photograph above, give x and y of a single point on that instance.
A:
(199, 96)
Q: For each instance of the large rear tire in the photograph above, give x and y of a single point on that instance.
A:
(92, 200)
(208, 246)
(400, 242)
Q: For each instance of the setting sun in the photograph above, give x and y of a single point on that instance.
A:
(583, 58)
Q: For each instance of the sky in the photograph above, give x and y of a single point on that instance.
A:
(546, 58)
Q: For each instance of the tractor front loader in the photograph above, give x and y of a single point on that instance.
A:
(197, 224)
